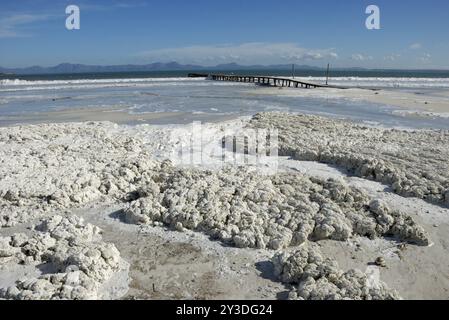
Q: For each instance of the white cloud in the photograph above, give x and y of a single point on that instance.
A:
(13, 25)
(246, 53)
(9, 25)
(360, 57)
(392, 57)
(415, 46)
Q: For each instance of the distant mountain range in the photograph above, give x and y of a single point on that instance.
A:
(69, 68)
(65, 68)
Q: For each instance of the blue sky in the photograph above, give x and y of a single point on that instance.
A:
(413, 34)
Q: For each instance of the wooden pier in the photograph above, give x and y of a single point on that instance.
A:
(264, 80)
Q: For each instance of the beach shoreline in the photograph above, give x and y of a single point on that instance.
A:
(183, 100)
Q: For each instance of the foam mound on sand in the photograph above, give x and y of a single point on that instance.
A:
(246, 209)
(413, 163)
(47, 169)
(58, 166)
(79, 262)
(236, 205)
(315, 278)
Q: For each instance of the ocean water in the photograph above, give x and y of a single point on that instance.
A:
(173, 92)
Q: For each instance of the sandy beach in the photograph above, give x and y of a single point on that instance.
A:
(417, 100)
(100, 210)
(115, 115)
(409, 102)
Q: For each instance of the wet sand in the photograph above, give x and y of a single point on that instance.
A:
(429, 101)
(118, 116)
(414, 100)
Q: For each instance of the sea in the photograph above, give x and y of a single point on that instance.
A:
(173, 91)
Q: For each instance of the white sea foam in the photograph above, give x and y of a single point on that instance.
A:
(27, 85)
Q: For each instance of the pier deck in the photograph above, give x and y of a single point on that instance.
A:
(264, 80)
